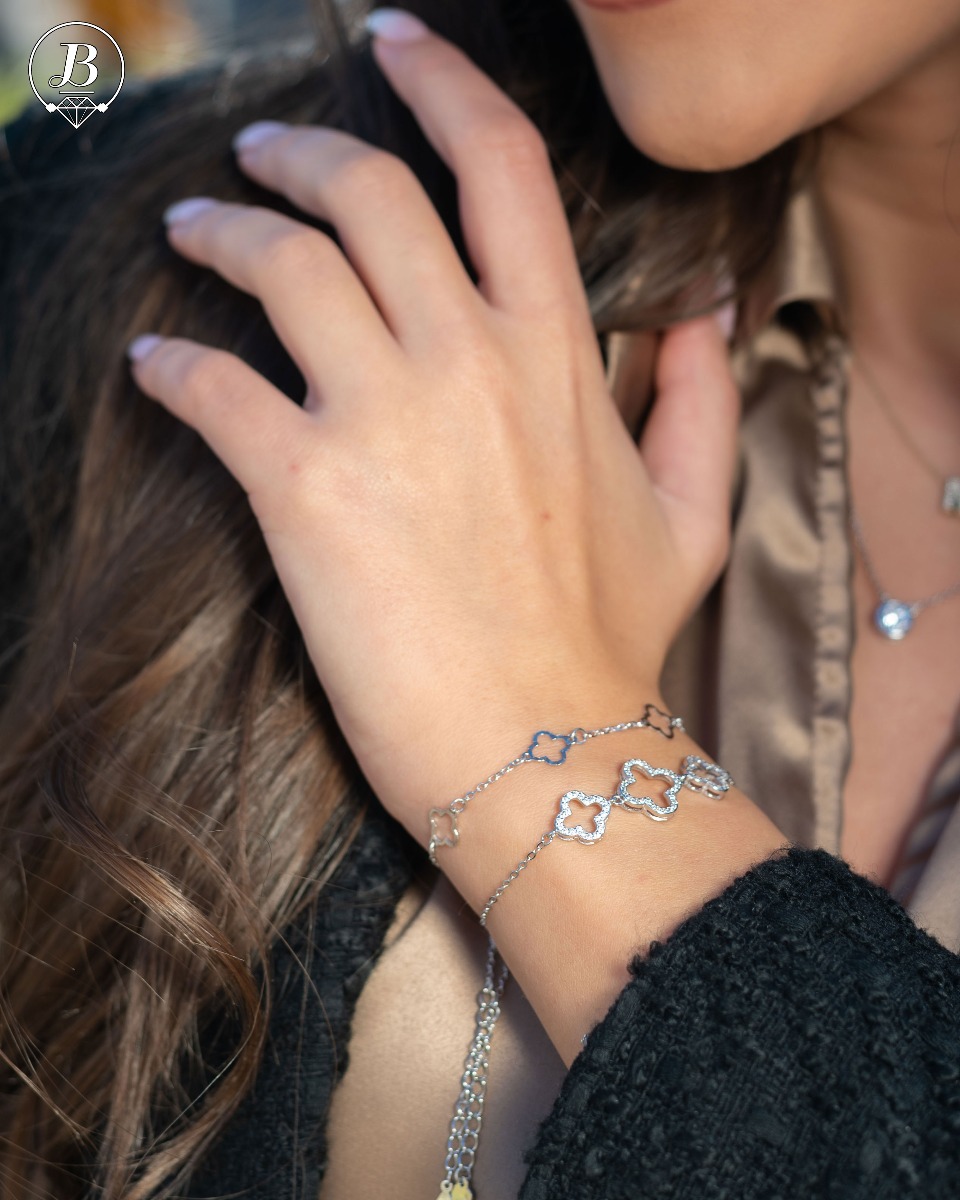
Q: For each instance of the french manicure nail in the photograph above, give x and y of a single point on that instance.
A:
(256, 133)
(141, 346)
(395, 25)
(183, 210)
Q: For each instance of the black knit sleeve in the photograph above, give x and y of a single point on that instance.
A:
(798, 1036)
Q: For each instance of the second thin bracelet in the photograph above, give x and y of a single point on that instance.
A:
(696, 774)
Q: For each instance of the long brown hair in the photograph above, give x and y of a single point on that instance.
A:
(173, 788)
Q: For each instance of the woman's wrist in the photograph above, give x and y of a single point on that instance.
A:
(572, 919)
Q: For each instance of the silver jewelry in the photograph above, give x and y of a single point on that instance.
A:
(894, 618)
(950, 498)
(468, 1115)
(545, 747)
(697, 774)
(550, 748)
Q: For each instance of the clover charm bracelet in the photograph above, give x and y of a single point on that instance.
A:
(696, 774)
(545, 747)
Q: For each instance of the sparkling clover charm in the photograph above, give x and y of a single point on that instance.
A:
(699, 775)
(565, 740)
(648, 805)
(665, 726)
(578, 832)
(435, 838)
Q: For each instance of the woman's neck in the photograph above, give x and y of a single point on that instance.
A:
(889, 179)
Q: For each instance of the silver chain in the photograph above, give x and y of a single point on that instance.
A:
(915, 606)
(464, 1134)
(545, 840)
(564, 741)
(697, 774)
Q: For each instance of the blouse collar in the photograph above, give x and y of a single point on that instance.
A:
(801, 267)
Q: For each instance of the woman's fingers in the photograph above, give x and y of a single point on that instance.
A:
(510, 209)
(316, 304)
(261, 437)
(395, 282)
(512, 216)
(689, 442)
(389, 230)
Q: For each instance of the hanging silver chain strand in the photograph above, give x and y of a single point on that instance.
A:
(545, 840)
(468, 1116)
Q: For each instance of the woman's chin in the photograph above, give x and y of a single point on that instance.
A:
(704, 138)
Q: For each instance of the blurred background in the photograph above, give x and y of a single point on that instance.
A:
(156, 36)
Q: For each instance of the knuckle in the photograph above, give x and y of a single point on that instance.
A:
(512, 139)
(206, 376)
(297, 249)
(371, 172)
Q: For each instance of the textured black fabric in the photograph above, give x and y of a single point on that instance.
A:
(275, 1146)
(798, 1035)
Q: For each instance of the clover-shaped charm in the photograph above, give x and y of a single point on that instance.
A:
(554, 743)
(578, 832)
(647, 804)
(699, 775)
(438, 839)
(663, 723)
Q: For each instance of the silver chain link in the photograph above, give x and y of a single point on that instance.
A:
(697, 774)
(576, 737)
(915, 606)
(464, 1134)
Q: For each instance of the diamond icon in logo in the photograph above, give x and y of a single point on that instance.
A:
(76, 109)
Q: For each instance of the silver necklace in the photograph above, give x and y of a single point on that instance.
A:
(949, 484)
(894, 618)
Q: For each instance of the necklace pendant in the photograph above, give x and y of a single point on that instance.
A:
(951, 495)
(893, 619)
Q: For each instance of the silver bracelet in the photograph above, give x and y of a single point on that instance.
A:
(464, 1136)
(545, 747)
(696, 774)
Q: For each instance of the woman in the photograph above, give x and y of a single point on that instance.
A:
(453, 528)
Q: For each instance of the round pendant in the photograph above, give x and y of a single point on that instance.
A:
(893, 619)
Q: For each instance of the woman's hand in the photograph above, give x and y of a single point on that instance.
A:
(471, 542)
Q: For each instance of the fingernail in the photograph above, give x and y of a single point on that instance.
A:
(395, 25)
(726, 315)
(141, 346)
(183, 210)
(726, 318)
(257, 132)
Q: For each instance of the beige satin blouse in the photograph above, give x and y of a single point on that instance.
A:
(762, 672)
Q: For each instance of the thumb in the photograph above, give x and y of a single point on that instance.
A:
(689, 441)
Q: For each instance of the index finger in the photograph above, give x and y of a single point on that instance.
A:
(513, 219)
